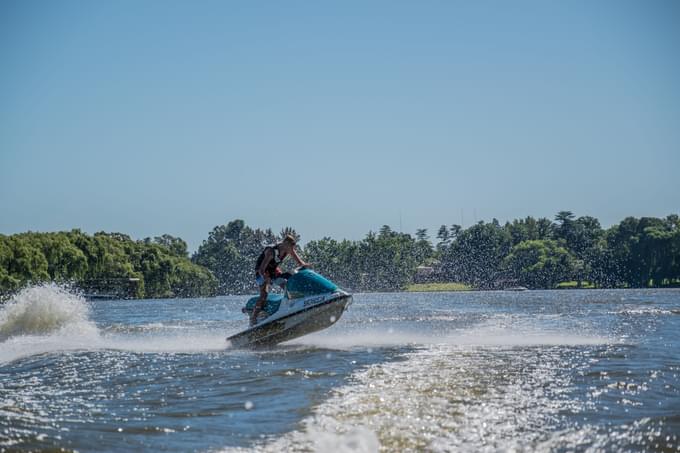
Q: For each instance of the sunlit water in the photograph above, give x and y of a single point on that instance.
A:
(477, 371)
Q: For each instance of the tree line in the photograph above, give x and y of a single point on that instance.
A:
(532, 252)
(539, 253)
(535, 253)
(380, 262)
(103, 264)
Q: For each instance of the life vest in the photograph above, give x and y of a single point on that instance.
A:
(273, 265)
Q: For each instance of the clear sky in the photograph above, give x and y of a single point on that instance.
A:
(152, 117)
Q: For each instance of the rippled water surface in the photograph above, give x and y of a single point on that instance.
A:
(471, 371)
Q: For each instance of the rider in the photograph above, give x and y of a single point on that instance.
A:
(267, 270)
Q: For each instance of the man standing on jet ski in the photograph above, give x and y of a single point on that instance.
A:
(267, 270)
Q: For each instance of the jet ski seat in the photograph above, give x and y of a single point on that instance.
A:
(270, 307)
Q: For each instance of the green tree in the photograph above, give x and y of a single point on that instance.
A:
(65, 261)
(385, 230)
(190, 280)
(529, 228)
(539, 263)
(443, 236)
(477, 254)
(109, 263)
(641, 252)
(28, 263)
(563, 227)
(8, 282)
(175, 245)
(336, 260)
(424, 250)
(388, 260)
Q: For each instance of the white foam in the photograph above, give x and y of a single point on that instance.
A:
(357, 440)
(481, 336)
(364, 338)
(490, 336)
(43, 310)
(47, 318)
(190, 342)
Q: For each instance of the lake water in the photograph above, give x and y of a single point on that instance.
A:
(472, 371)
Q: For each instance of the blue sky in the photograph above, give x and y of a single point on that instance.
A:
(152, 117)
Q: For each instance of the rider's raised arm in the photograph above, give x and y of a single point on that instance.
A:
(298, 259)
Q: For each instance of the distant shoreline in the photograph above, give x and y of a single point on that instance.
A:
(461, 287)
(569, 252)
(437, 287)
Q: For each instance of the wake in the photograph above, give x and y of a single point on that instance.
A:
(482, 336)
(47, 318)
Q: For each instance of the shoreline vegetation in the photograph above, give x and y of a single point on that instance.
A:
(437, 287)
(564, 253)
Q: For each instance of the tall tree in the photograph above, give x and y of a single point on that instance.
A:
(424, 251)
(443, 236)
(564, 225)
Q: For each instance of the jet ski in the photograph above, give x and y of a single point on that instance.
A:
(310, 303)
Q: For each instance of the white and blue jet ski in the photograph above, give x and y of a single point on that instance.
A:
(310, 303)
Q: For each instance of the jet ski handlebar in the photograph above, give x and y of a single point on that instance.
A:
(302, 268)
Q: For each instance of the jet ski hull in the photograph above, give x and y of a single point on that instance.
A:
(310, 319)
